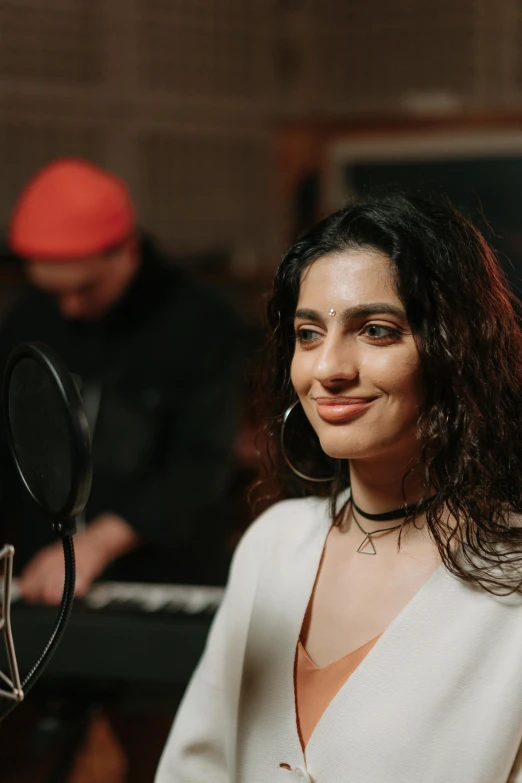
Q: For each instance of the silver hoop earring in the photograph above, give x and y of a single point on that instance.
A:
(286, 414)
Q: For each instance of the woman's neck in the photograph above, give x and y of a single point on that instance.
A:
(378, 487)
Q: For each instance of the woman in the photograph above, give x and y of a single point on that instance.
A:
(375, 634)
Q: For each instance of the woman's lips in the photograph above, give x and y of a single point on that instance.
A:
(342, 408)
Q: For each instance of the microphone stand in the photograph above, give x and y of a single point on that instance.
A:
(19, 689)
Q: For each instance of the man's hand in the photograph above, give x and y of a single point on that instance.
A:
(105, 538)
(42, 579)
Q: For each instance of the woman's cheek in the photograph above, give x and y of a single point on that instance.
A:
(298, 374)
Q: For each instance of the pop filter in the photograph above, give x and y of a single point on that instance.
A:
(48, 437)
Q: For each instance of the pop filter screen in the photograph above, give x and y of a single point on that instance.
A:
(41, 433)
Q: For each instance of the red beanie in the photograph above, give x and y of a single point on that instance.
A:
(70, 209)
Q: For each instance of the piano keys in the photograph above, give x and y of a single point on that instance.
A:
(121, 633)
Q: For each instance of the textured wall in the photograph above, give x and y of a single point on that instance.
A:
(181, 96)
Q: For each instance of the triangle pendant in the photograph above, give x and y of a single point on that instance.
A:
(367, 546)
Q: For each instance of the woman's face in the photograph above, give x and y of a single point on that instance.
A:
(356, 366)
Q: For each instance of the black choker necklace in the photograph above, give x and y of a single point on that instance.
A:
(397, 513)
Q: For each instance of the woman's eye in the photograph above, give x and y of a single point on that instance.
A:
(377, 332)
(307, 335)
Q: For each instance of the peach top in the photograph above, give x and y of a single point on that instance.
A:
(316, 687)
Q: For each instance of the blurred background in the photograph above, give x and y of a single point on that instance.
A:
(220, 114)
(225, 116)
(238, 123)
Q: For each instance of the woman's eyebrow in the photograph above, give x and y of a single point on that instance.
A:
(368, 310)
(309, 315)
(354, 313)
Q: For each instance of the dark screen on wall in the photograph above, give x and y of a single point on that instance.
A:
(487, 190)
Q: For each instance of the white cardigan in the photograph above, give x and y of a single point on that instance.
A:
(437, 700)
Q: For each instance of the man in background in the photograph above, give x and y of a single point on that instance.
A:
(157, 359)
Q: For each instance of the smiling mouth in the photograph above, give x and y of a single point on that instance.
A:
(343, 400)
(342, 409)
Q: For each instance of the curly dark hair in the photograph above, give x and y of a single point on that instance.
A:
(467, 327)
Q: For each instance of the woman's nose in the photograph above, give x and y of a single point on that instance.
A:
(336, 362)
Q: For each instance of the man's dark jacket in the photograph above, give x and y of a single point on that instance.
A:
(160, 375)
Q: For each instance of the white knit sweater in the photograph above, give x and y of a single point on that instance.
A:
(437, 700)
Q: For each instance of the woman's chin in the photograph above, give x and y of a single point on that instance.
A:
(368, 448)
(343, 451)
(355, 445)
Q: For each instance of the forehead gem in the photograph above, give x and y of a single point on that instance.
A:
(332, 312)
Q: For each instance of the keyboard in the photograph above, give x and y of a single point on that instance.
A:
(121, 633)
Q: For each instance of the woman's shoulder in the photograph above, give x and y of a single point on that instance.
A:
(284, 524)
(288, 517)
